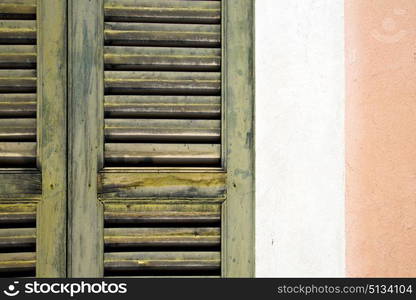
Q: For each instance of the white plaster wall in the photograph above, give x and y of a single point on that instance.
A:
(300, 138)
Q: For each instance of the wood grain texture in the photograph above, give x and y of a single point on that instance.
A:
(161, 58)
(238, 212)
(51, 218)
(85, 137)
(165, 35)
(162, 106)
(122, 213)
(162, 185)
(160, 11)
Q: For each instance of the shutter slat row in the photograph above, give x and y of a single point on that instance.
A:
(17, 134)
(162, 239)
(158, 11)
(162, 105)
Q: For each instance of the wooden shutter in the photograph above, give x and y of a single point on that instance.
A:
(160, 138)
(32, 163)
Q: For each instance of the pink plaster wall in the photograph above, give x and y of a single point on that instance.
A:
(381, 137)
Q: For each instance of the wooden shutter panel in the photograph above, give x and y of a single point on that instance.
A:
(162, 63)
(18, 138)
(32, 139)
(160, 110)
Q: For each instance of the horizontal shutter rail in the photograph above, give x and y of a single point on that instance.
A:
(167, 83)
(163, 11)
(166, 35)
(12, 81)
(17, 56)
(17, 105)
(17, 130)
(17, 154)
(161, 130)
(17, 215)
(161, 58)
(17, 264)
(18, 9)
(161, 214)
(17, 238)
(162, 154)
(161, 106)
(17, 32)
(161, 237)
(162, 261)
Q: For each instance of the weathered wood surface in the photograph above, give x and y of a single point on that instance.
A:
(161, 154)
(17, 32)
(161, 59)
(162, 185)
(17, 81)
(52, 138)
(18, 9)
(119, 214)
(161, 237)
(17, 56)
(239, 208)
(159, 11)
(18, 130)
(166, 35)
(16, 154)
(162, 106)
(17, 105)
(20, 184)
(159, 83)
(17, 238)
(17, 262)
(85, 257)
(162, 261)
(17, 213)
(159, 130)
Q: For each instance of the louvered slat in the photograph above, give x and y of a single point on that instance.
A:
(161, 237)
(18, 130)
(17, 154)
(17, 215)
(163, 11)
(15, 81)
(18, 9)
(166, 35)
(202, 107)
(159, 83)
(129, 154)
(162, 59)
(17, 238)
(162, 262)
(17, 105)
(142, 214)
(160, 130)
(17, 56)
(17, 264)
(17, 32)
